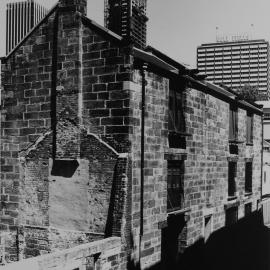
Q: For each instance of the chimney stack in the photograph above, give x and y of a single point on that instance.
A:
(79, 5)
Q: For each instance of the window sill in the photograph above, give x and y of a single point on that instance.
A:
(175, 212)
(181, 134)
(175, 154)
(232, 203)
(233, 158)
(249, 144)
(235, 142)
(248, 194)
(231, 198)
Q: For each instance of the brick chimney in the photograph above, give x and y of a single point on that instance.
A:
(78, 5)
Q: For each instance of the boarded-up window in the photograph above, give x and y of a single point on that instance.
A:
(231, 178)
(175, 197)
(176, 113)
(176, 121)
(233, 127)
(249, 128)
(248, 177)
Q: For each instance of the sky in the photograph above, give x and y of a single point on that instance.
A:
(177, 27)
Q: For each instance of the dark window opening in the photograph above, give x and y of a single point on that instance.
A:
(177, 124)
(248, 209)
(64, 168)
(249, 128)
(233, 125)
(231, 179)
(175, 185)
(233, 148)
(231, 216)
(248, 177)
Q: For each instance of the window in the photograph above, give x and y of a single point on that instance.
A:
(233, 127)
(231, 178)
(176, 115)
(248, 209)
(231, 216)
(248, 177)
(249, 128)
(175, 196)
(176, 125)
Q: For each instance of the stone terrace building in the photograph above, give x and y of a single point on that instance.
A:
(100, 139)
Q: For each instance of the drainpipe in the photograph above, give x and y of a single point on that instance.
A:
(54, 82)
(144, 82)
(262, 164)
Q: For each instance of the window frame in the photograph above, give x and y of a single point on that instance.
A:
(249, 128)
(233, 123)
(176, 115)
(176, 121)
(248, 177)
(232, 174)
(175, 202)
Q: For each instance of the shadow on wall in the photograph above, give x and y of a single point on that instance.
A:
(243, 246)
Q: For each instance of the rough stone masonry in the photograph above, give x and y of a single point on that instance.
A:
(72, 145)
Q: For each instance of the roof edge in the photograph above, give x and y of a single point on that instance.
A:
(102, 28)
(222, 93)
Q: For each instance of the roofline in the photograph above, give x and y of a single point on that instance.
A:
(221, 89)
(84, 18)
(152, 59)
(165, 57)
(222, 93)
(233, 42)
(31, 31)
(102, 28)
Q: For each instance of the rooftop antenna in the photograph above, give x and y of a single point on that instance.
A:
(217, 38)
(251, 31)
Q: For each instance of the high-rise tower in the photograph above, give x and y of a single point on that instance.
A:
(128, 19)
(21, 18)
(236, 63)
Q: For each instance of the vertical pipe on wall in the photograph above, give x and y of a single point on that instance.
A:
(262, 164)
(54, 82)
(143, 69)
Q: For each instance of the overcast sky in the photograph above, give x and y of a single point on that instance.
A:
(177, 27)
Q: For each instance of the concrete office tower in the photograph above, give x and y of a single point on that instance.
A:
(128, 19)
(236, 64)
(20, 19)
